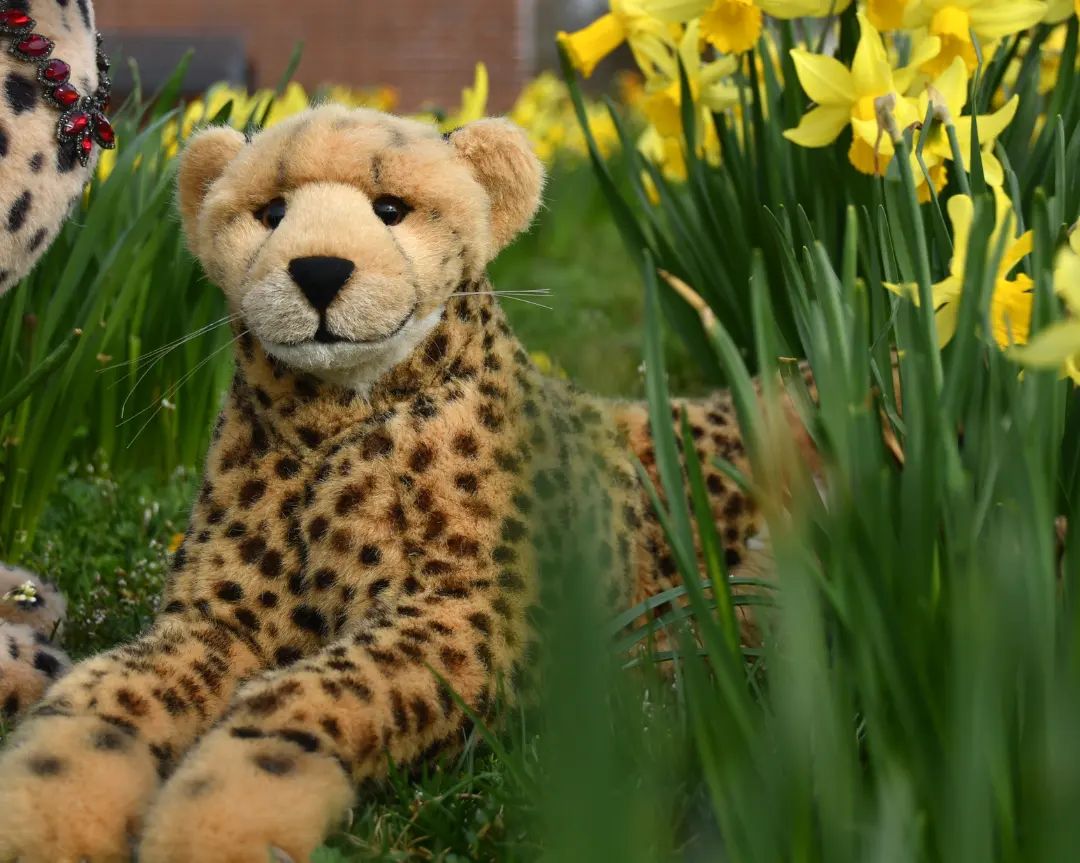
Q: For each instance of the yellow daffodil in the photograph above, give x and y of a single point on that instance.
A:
(1058, 345)
(886, 15)
(949, 92)
(474, 101)
(1010, 303)
(379, 98)
(545, 112)
(1058, 10)
(711, 90)
(844, 97)
(637, 22)
(734, 26)
(954, 22)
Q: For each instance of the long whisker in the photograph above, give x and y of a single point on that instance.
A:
(171, 391)
(158, 355)
(511, 295)
(545, 291)
(530, 302)
(164, 349)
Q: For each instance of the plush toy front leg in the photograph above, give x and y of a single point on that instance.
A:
(78, 775)
(279, 772)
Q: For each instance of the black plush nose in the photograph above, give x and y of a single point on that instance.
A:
(320, 278)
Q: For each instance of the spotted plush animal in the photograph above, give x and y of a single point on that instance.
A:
(52, 80)
(53, 91)
(31, 614)
(386, 481)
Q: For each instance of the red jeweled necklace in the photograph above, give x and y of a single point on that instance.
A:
(82, 121)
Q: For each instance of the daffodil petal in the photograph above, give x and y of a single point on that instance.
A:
(819, 126)
(870, 70)
(1053, 345)
(961, 212)
(946, 319)
(1018, 249)
(826, 80)
(1057, 11)
(1067, 277)
(992, 125)
(994, 20)
(925, 51)
(952, 84)
(993, 172)
(872, 134)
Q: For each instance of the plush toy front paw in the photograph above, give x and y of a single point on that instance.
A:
(241, 799)
(73, 790)
(28, 665)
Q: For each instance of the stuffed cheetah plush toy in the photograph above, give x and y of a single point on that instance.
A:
(387, 478)
(53, 93)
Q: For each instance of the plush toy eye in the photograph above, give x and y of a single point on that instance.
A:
(272, 213)
(391, 210)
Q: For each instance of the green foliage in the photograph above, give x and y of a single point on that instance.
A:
(922, 664)
(119, 275)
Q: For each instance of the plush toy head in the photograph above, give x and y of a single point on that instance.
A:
(338, 235)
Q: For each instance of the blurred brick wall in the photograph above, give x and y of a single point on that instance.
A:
(427, 49)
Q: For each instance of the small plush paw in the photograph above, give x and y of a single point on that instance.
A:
(73, 789)
(28, 665)
(246, 800)
(30, 599)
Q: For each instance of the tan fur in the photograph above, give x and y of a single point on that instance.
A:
(370, 514)
(30, 162)
(28, 620)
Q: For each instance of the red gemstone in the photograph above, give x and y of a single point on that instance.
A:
(34, 45)
(75, 124)
(66, 95)
(103, 131)
(15, 19)
(56, 71)
(85, 146)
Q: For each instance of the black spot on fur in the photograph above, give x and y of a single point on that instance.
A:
(45, 765)
(307, 742)
(311, 620)
(47, 664)
(286, 656)
(36, 161)
(110, 740)
(16, 216)
(37, 239)
(229, 591)
(21, 92)
(3, 143)
(66, 159)
(274, 765)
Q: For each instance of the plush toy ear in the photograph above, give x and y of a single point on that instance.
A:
(202, 162)
(504, 164)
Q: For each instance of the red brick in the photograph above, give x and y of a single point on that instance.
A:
(427, 49)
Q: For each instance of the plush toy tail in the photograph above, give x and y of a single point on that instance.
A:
(32, 612)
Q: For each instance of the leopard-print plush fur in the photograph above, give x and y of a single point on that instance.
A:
(39, 180)
(31, 613)
(387, 478)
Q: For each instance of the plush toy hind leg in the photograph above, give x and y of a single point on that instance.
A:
(278, 773)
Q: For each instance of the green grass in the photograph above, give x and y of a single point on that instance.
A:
(594, 329)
